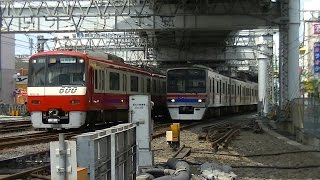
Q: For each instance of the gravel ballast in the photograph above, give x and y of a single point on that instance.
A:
(280, 166)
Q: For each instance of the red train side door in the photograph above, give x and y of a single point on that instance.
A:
(91, 85)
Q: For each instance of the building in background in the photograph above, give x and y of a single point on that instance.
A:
(21, 79)
(310, 55)
(7, 68)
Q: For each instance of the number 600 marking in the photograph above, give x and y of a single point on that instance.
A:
(68, 90)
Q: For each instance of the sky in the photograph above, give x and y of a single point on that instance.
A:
(22, 40)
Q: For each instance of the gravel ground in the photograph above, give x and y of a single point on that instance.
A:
(246, 143)
(18, 133)
(22, 150)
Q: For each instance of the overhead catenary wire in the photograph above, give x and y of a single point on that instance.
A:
(166, 28)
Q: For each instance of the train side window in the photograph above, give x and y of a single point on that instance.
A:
(102, 79)
(223, 88)
(232, 89)
(236, 89)
(213, 85)
(210, 85)
(220, 91)
(228, 88)
(217, 87)
(158, 86)
(163, 87)
(148, 85)
(106, 80)
(134, 81)
(213, 90)
(142, 85)
(154, 88)
(99, 79)
(95, 79)
(114, 81)
(124, 82)
(235, 93)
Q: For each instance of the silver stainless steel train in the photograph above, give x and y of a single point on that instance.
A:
(197, 92)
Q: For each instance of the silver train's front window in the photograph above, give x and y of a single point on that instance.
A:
(56, 71)
(186, 81)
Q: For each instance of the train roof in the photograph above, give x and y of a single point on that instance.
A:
(210, 69)
(102, 57)
(95, 55)
(195, 66)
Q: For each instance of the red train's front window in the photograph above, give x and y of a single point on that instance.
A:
(56, 71)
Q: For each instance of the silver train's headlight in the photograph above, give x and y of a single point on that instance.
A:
(199, 100)
(173, 100)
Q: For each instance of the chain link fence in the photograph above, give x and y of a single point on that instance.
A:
(305, 113)
(13, 109)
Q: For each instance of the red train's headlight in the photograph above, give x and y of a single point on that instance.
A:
(75, 102)
(35, 102)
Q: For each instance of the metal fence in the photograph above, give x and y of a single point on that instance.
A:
(305, 113)
(13, 109)
(109, 154)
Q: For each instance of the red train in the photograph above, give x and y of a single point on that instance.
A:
(68, 89)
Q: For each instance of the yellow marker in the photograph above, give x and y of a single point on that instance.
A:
(175, 128)
(173, 136)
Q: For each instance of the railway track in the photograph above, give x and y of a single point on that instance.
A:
(160, 131)
(32, 163)
(41, 137)
(14, 165)
(33, 173)
(13, 126)
(28, 139)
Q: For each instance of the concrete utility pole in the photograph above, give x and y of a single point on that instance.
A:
(262, 89)
(31, 45)
(293, 47)
(0, 43)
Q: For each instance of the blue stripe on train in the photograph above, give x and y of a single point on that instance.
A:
(186, 100)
